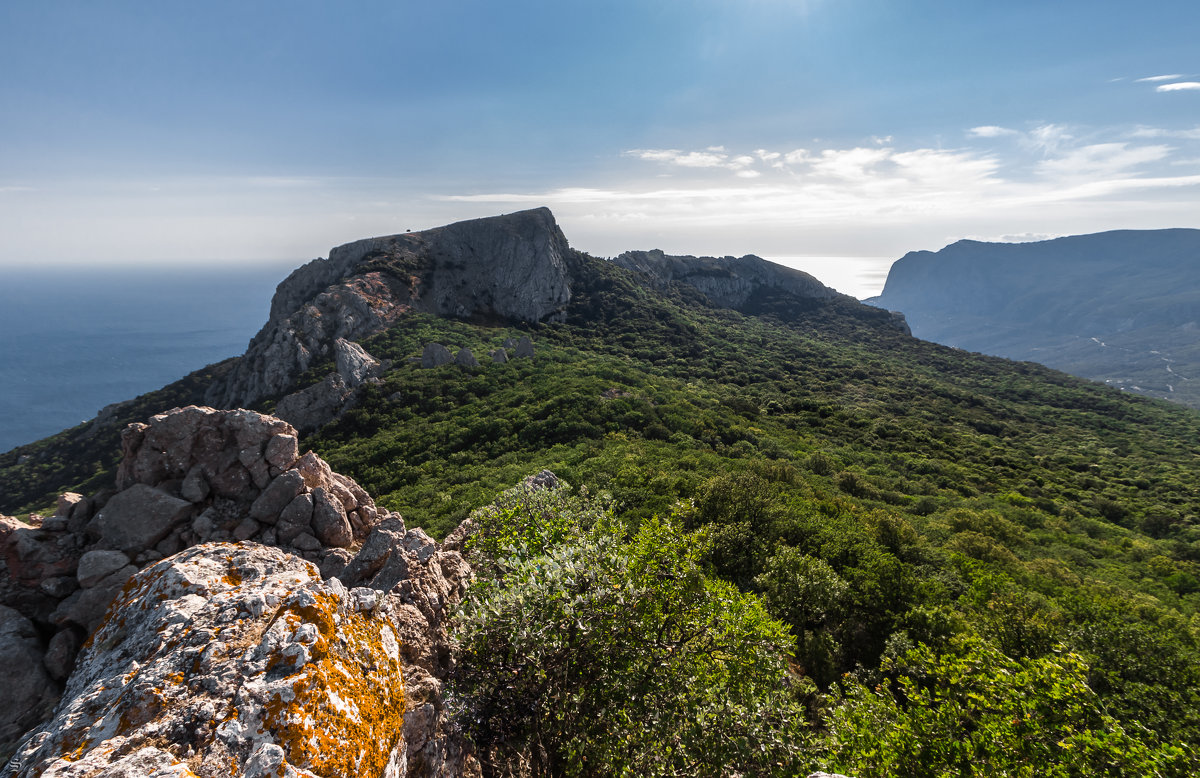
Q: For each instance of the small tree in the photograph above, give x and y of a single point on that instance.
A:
(610, 653)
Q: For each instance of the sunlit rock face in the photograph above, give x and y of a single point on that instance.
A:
(504, 268)
(232, 660)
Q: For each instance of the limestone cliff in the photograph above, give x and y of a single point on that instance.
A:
(502, 268)
(729, 282)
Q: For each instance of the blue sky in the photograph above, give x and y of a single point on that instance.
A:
(175, 132)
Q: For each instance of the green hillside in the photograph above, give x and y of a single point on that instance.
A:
(978, 562)
(978, 510)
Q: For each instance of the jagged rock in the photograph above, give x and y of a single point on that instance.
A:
(139, 517)
(27, 692)
(277, 496)
(510, 343)
(354, 364)
(172, 443)
(524, 347)
(506, 267)
(32, 554)
(96, 565)
(435, 355)
(59, 660)
(85, 608)
(329, 521)
(226, 660)
(729, 282)
(281, 451)
(499, 356)
(315, 405)
(465, 358)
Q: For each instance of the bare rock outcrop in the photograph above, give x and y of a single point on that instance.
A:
(293, 628)
(23, 675)
(729, 282)
(508, 267)
(232, 660)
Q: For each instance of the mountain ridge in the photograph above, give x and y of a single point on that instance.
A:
(1119, 307)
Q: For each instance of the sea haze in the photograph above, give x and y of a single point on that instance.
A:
(74, 340)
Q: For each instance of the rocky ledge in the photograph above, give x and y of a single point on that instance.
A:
(241, 610)
(504, 268)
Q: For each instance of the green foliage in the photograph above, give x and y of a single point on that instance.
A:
(594, 652)
(976, 711)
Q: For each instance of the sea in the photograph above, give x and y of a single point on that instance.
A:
(73, 340)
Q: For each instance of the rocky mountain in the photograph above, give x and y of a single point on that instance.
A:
(797, 535)
(1120, 307)
(505, 268)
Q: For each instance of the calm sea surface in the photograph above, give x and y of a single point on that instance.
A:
(74, 340)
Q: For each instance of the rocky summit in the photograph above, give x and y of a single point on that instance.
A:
(233, 608)
(503, 268)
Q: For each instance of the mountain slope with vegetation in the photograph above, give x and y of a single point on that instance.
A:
(1120, 307)
(966, 565)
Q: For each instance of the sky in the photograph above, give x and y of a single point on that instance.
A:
(178, 133)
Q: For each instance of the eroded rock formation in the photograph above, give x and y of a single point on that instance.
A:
(293, 628)
(503, 268)
(729, 282)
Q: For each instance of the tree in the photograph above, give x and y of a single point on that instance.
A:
(609, 652)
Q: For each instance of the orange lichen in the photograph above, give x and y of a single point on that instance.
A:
(340, 720)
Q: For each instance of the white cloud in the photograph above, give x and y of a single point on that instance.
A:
(712, 157)
(1049, 137)
(1158, 78)
(1158, 132)
(1178, 86)
(990, 131)
(1104, 159)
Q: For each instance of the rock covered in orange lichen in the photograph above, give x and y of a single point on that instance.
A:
(231, 660)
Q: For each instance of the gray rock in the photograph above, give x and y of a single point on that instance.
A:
(27, 692)
(524, 347)
(61, 652)
(306, 542)
(276, 496)
(728, 282)
(386, 537)
(95, 566)
(194, 487)
(59, 586)
(354, 364)
(510, 343)
(298, 511)
(329, 521)
(435, 355)
(465, 358)
(247, 529)
(180, 671)
(281, 451)
(499, 356)
(316, 405)
(140, 516)
(506, 267)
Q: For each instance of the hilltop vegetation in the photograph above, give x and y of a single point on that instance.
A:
(956, 559)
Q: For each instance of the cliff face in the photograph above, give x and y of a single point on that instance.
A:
(503, 268)
(729, 282)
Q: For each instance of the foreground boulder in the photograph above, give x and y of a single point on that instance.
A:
(320, 648)
(232, 660)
